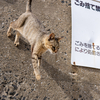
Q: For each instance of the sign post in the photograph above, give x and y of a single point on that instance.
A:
(86, 33)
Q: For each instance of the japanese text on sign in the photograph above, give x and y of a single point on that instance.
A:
(87, 5)
(87, 48)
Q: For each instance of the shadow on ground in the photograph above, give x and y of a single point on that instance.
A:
(72, 89)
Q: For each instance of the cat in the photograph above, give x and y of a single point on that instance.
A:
(28, 26)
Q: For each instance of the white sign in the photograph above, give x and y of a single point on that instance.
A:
(86, 33)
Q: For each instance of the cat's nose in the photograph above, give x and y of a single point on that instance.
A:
(56, 51)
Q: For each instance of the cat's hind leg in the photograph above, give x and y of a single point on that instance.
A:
(16, 42)
(9, 31)
(18, 23)
(13, 25)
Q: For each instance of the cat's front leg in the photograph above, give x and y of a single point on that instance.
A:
(16, 42)
(35, 66)
(39, 60)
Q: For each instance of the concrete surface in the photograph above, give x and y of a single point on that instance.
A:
(60, 80)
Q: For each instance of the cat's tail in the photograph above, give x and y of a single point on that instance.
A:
(28, 6)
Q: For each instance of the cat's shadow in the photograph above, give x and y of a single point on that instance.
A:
(23, 44)
(56, 74)
(65, 81)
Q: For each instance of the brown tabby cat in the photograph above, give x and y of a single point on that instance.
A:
(30, 28)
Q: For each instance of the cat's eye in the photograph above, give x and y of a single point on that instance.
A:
(53, 48)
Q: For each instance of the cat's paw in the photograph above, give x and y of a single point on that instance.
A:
(16, 44)
(38, 77)
(8, 34)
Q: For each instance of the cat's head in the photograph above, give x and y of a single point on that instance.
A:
(52, 43)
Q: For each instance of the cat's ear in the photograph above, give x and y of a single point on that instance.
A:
(51, 36)
(60, 38)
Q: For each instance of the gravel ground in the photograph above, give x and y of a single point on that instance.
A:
(60, 80)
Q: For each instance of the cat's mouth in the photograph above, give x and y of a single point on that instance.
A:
(55, 52)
